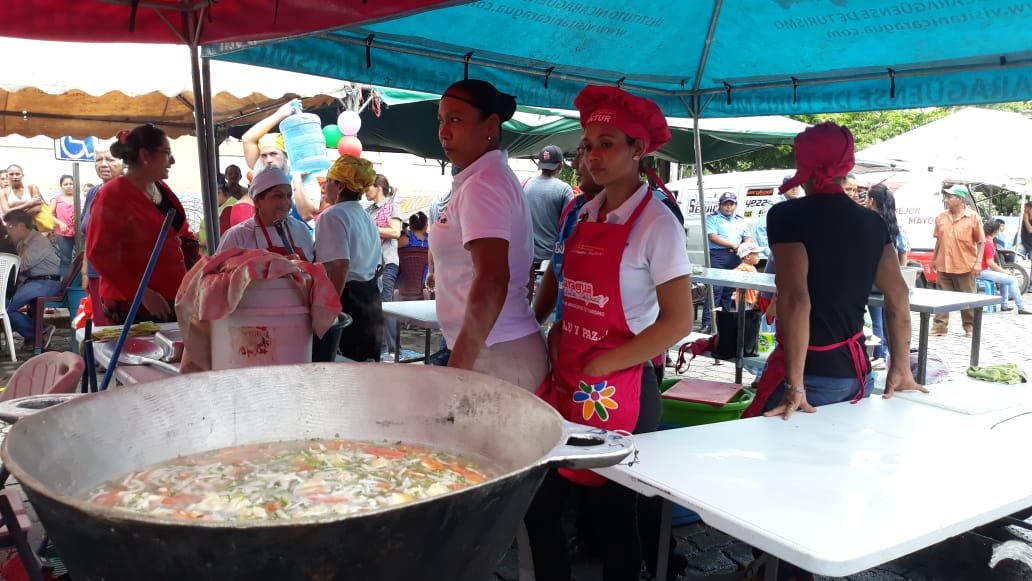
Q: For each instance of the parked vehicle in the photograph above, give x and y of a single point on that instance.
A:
(756, 191)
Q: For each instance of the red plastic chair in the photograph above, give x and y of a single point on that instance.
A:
(47, 373)
(412, 261)
(39, 304)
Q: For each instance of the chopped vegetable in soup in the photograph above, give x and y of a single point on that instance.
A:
(289, 480)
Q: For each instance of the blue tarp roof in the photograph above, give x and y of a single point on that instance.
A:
(717, 58)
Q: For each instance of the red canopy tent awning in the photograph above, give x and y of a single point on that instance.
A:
(194, 23)
(171, 21)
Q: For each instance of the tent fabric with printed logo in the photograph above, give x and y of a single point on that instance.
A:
(716, 58)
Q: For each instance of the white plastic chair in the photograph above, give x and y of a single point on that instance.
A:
(9, 265)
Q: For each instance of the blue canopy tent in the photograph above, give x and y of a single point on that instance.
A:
(721, 58)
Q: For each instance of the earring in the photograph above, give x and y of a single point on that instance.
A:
(489, 138)
(636, 158)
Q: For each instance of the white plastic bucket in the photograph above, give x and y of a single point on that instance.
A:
(271, 325)
(275, 293)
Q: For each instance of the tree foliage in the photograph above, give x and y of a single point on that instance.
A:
(869, 128)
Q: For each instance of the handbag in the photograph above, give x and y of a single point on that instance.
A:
(45, 221)
(727, 333)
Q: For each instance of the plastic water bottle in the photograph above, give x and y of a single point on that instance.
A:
(305, 143)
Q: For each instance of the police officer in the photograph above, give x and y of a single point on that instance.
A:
(727, 231)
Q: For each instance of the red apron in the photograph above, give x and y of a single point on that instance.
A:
(593, 322)
(774, 374)
(281, 250)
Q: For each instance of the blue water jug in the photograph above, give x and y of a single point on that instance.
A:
(305, 143)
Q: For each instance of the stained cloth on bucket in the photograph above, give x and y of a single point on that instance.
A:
(355, 173)
(214, 287)
(822, 153)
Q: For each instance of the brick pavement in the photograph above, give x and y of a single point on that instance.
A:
(1006, 337)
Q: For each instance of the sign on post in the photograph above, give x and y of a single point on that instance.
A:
(75, 149)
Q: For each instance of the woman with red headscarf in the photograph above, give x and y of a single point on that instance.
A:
(829, 251)
(623, 273)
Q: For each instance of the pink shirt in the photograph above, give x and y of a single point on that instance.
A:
(65, 212)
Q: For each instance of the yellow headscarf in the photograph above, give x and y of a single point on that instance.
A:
(355, 173)
(273, 140)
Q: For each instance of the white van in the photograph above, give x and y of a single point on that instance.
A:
(756, 191)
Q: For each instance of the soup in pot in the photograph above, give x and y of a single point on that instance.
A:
(290, 480)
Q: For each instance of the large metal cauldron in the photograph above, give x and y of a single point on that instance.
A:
(61, 453)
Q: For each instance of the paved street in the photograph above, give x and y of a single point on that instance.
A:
(1006, 337)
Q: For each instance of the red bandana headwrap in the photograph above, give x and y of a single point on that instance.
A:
(822, 152)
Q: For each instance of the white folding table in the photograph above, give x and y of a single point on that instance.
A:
(925, 302)
(422, 314)
(851, 486)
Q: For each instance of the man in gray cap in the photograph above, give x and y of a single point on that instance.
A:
(547, 195)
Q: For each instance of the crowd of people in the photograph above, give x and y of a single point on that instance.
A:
(615, 272)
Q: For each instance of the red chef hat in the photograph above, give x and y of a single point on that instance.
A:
(822, 153)
(638, 117)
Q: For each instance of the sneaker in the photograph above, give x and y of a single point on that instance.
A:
(878, 364)
(48, 336)
(1006, 309)
(1024, 312)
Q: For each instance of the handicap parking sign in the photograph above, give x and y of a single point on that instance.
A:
(75, 149)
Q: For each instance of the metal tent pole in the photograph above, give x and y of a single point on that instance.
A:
(202, 120)
(696, 108)
(211, 204)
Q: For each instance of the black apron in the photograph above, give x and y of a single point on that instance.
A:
(363, 338)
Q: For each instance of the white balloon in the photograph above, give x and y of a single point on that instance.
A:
(349, 123)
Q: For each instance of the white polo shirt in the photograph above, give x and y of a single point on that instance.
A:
(344, 231)
(486, 202)
(656, 253)
(248, 234)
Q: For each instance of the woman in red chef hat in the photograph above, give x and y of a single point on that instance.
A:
(623, 274)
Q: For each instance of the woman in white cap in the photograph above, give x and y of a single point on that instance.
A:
(483, 244)
(271, 228)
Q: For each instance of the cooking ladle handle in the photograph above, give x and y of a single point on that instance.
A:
(588, 447)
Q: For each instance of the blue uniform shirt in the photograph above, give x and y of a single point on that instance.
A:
(761, 226)
(733, 228)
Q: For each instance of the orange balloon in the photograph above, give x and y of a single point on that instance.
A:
(350, 145)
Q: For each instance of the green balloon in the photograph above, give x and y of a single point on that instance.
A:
(332, 133)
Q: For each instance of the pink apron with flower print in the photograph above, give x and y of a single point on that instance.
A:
(593, 322)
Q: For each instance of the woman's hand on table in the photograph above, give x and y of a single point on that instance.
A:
(791, 402)
(901, 380)
(156, 304)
